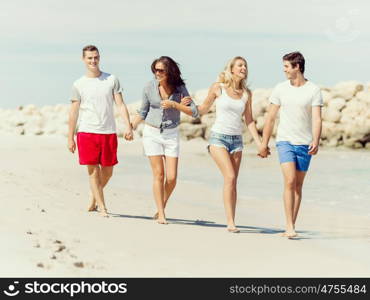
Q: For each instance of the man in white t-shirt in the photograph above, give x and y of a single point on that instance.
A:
(298, 134)
(93, 97)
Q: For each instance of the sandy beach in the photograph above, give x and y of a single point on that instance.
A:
(46, 230)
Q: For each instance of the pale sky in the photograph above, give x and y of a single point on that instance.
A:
(41, 42)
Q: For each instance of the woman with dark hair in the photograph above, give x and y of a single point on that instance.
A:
(160, 109)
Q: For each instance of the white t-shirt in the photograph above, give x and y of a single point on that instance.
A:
(96, 108)
(296, 103)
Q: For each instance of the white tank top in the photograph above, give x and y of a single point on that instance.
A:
(229, 113)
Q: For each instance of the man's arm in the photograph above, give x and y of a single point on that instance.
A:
(72, 122)
(316, 130)
(269, 126)
(122, 108)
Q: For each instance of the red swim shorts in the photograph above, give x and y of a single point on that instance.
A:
(97, 149)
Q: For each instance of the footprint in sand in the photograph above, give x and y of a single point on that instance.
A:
(60, 253)
(61, 248)
(79, 264)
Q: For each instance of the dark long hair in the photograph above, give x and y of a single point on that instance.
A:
(172, 70)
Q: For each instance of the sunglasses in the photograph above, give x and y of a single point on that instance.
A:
(160, 71)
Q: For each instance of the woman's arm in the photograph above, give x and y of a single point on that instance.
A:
(136, 121)
(166, 104)
(186, 104)
(213, 93)
(249, 121)
(142, 112)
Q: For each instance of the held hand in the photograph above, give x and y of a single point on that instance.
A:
(71, 145)
(268, 151)
(186, 100)
(166, 104)
(313, 148)
(264, 151)
(128, 135)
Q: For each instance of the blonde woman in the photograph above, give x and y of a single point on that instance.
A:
(233, 100)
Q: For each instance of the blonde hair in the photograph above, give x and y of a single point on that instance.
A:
(226, 77)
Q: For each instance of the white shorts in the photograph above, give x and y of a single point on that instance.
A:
(156, 143)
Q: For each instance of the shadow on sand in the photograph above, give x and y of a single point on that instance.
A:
(204, 223)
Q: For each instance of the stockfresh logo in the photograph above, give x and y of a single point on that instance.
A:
(12, 291)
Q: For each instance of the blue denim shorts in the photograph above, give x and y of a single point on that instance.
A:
(294, 153)
(232, 143)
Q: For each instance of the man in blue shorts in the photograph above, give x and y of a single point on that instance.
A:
(298, 134)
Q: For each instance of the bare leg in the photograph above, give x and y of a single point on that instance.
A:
(289, 173)
(95, 184)
(171, 177)
(156, 163)
(105, 175)
(224, 163)
(298, 193)
(236, 159)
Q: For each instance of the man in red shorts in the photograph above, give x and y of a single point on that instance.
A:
(92, 99)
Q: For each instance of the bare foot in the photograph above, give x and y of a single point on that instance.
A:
(155, 217)
(104, 213)
(93, 206)
(290, 234)
(162, 221)
(233, 229)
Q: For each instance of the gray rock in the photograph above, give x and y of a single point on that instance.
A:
(191, 131)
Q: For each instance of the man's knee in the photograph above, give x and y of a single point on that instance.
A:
(93, 170)
(290, 183)
(298, 187)
(107, 172)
